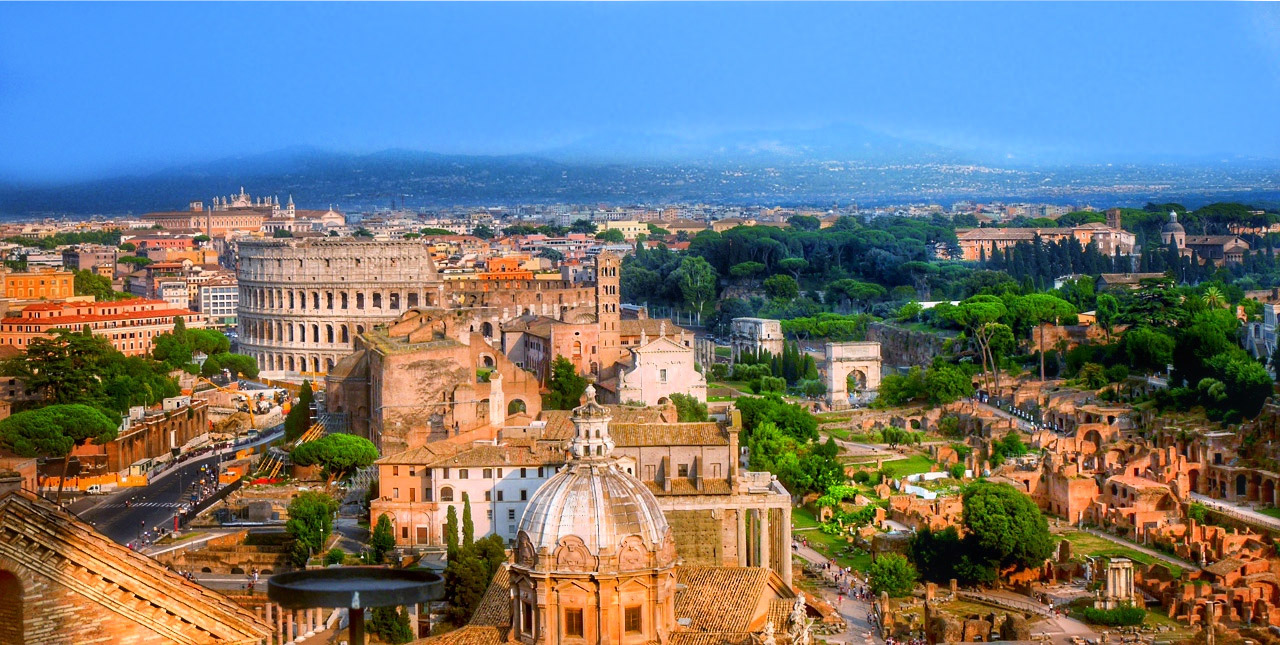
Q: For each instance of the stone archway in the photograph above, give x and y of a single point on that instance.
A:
(862, 360)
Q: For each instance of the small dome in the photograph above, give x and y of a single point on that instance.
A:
(596, 502)
(1173, 226)
(592, 507)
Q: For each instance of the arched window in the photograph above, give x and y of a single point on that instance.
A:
(344, 299)
(345, 336)
(359, 300)
(315, 299)
(328, 334)
(446, 494)
(377, 300)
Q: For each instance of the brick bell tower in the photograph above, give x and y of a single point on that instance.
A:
(608, 270)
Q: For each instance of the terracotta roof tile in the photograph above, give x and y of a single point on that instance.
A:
(720, 599)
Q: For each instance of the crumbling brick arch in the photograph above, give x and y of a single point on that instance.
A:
(11, 608)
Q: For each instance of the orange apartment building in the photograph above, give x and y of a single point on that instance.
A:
(39, 285)
(130, 325)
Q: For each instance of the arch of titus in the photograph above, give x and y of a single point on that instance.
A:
(862, 360)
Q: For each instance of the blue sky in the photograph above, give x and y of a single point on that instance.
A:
(94, 89)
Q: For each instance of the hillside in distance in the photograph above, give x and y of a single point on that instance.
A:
(791, 176)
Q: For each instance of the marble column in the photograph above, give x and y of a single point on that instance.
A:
(764, 537)
(742, 536)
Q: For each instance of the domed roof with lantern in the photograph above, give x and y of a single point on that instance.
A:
(593, 510)
(1172, 226)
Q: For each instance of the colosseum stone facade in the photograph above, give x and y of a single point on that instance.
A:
(304, 301)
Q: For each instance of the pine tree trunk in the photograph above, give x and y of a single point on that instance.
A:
(62, 481)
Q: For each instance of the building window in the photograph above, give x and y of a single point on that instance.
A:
(488, 495)
(662, 376)
(682, 470)
(526, 617)
(573, 622)
(404, 532)
(499, 496)
(446, 494)
(511, 513)
(488, 473)
(524, 495)
(524, 473)
(462, 473)
(395, 493)
(488, 514)
(395, 471)
(632, 620)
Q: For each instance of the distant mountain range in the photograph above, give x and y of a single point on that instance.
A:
(834, 165)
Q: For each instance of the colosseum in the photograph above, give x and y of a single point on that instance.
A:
(304, 301)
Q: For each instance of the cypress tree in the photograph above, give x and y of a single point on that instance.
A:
(468, 528)
(451, 533)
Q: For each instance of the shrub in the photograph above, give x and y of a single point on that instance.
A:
(1123, 616)
(335, 556)
(957, 471)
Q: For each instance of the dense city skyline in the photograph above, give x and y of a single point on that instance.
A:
(133, 89)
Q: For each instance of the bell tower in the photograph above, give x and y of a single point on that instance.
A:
(608, 298)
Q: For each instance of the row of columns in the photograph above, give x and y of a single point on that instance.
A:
(290, 625)
(755, 541)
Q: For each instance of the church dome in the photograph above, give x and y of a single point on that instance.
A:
(592, 509)
(1172, 226)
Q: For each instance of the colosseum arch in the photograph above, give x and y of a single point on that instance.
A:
(860, 359)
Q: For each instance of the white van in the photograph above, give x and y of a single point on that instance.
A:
(94, 489)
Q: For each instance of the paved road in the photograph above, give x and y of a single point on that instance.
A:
(1243, 512)
(1142, 549)
(154, 504)
(150, 506)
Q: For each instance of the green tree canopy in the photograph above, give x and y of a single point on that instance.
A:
(1005, 525)
(298, 420)
(311, 520)
(565, 385)
(338, 454)
(383, 539)
(891, 573)
(780, 286)
(612, 236)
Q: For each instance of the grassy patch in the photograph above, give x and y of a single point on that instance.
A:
(835, 546)
(1273, 511)
(802, 518)
(169, 539)
(913, 465)
(1092, 545)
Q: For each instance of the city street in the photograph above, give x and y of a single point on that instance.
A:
(152, 505)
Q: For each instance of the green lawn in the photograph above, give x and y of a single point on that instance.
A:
(1272, 511)
(913, 465)
(801, 518)
(1092, 545)
(831, 546)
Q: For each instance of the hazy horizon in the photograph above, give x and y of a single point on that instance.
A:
(101, 90)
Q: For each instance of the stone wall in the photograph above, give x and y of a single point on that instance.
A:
(55, 614)
(700, 537)
(901, 347)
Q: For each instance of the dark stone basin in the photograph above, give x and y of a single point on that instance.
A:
(354, 587)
